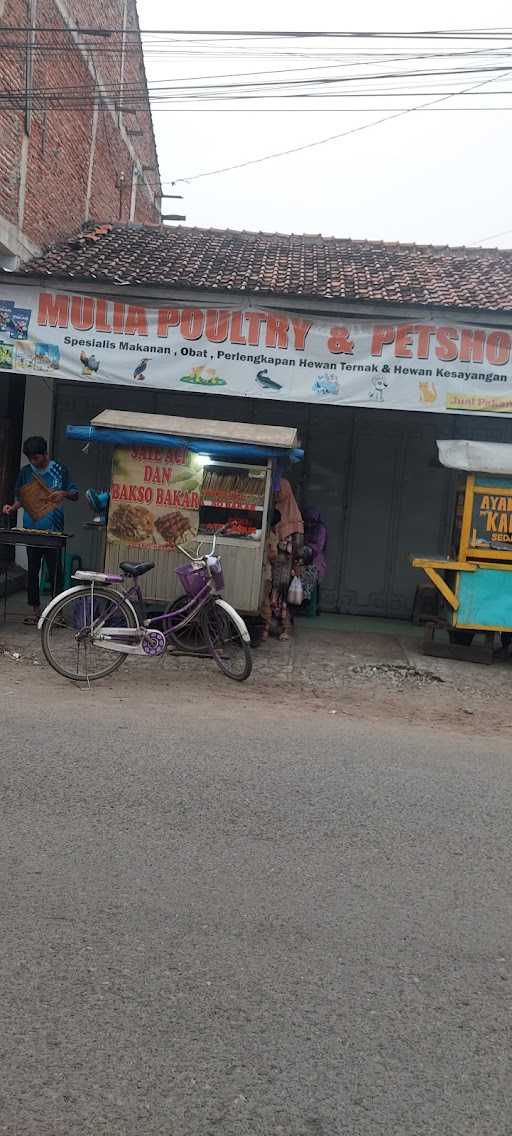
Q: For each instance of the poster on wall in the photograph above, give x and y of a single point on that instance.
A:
(154, 497)
(425, 365)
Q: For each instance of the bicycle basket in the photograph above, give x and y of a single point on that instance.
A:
(192, 579)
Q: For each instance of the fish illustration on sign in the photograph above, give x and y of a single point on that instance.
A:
(263, 378)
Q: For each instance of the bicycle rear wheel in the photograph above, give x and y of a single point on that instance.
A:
(227, 646)
(66, 633)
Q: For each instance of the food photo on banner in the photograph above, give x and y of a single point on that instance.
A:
(402, 365)
(155, 497)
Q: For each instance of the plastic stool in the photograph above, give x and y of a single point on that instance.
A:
(311, 607)
(72, 563)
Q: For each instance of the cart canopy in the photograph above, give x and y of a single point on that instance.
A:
(476, 457)
(219, 439)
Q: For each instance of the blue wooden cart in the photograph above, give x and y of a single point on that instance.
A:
(475, 584)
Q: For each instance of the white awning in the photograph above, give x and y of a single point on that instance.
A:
(470, 456)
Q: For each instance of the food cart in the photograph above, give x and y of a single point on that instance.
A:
(474, 581)
(181, 480)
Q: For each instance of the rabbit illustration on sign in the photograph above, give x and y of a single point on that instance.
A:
(428, 392)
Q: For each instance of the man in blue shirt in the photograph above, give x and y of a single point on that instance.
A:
(56, 477)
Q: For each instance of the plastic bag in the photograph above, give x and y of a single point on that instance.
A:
(295, 591)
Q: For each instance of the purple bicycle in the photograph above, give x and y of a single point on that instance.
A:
(88, 631)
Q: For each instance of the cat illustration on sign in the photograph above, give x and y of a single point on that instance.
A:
(428, 392)
(376, 392)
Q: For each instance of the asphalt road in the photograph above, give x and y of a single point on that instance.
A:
(223, 916)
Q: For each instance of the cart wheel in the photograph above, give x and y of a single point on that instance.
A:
(461, 638)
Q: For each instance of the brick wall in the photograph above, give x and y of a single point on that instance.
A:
(73, 164)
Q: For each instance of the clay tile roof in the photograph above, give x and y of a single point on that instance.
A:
(279, 264)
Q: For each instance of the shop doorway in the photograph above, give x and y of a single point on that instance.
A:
(397, 501)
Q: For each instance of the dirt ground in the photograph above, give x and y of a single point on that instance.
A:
(359, 675)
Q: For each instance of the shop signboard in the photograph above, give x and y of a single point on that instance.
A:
(154, 497)
(426, 365)
(491, 520)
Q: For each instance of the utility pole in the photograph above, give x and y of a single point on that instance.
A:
(122, 63)
(29, 62)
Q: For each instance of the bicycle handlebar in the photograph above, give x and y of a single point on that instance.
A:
(197, 556)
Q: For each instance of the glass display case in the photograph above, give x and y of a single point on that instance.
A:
(233, 500)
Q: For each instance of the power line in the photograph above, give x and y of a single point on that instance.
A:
(130, 93)
(323, 110)
(491, 237)
(318, 142)
(216, 33)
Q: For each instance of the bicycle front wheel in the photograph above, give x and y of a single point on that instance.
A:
(226, 643)
(67, 634)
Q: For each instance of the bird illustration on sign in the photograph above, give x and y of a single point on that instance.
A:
(90, 364)
(139, 372)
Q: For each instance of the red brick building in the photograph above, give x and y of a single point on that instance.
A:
(76, 136)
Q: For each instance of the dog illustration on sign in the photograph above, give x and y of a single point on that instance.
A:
(379, 385)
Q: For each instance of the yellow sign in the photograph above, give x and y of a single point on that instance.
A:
(492, 520)
(487, 404)
(155, 496)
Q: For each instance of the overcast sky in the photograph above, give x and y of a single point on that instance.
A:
(437, 177)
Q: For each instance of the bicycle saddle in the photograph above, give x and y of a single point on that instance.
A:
(131, 569)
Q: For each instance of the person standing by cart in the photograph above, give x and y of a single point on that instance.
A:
(57, 479)
(289, 531)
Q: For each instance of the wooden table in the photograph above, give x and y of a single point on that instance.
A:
(31, 538)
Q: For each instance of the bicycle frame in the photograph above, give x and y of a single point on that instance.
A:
(175, 621)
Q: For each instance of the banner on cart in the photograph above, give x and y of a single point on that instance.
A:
(457, 368)
(154, 497)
